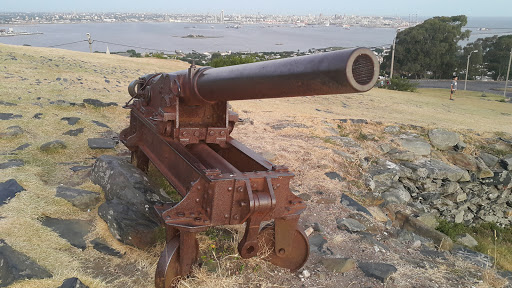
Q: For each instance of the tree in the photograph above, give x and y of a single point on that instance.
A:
(496, 55)
(430, 47)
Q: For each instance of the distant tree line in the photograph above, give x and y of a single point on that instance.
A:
(431, 50)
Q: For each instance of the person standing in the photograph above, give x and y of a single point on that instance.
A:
(453, 87)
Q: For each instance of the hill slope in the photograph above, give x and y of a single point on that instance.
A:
(53, 84)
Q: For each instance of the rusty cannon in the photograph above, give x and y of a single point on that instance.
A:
(181, 123)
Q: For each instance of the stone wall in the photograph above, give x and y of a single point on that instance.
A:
(435, 175)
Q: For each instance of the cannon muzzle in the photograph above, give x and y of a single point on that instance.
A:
(338, 72)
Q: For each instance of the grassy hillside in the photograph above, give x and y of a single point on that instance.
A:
(53, 82)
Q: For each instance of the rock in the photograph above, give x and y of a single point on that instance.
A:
(379, 271)
(2, 102)
(429, 219)
(473, 257)
(12, 163)
(417, 146)
(98, 123)
(305, 196)
(8, 190)
(397, 195)
(434, 254)
(22, 147)
(385, 175)
(12, 131)
(101, 143)
(71, 120)
(353, 121)
(80, 168)
(73, 283)
(345, 142)
(459, 217)
(353, 204)
(443, 139)
(378, 214)
(401, 155)
(506, 163)
(489, 160)
(75, 132)
(338, 265)
(316, 227)
(483, 170)
(459, 147)
(500, 178)
(53, 146)
(335, 176)
(316, 243)
(16, 266)
(98, 103)
(462, 160)
(9, 116)
(129, 201)
(284, 125)
(37, 115)
(436, 169)
(392, 129)
(102, 247)
(74, 231)
(466, 240)
(385, 147)
(414, 225)
(82, 199)
(350, 225)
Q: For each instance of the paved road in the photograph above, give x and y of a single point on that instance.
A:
(482, 86)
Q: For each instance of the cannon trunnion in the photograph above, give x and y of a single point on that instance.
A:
(181, 123)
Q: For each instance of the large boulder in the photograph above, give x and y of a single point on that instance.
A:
(443, 139)
(130, 197)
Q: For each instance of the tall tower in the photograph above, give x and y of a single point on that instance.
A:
(222, 16)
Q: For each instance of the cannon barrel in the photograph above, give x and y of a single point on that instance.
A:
(338, 72)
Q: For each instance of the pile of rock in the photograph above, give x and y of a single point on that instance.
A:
(436, 176)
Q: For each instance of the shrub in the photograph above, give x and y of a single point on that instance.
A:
(402, 84)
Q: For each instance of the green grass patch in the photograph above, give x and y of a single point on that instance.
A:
(492, 239)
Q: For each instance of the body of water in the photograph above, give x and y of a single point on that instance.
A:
(167, 37)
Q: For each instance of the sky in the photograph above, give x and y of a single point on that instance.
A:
(489, 8)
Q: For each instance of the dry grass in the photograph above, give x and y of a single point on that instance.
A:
(304, 150)
(44, 171)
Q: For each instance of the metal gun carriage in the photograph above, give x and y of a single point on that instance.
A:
(181, 123)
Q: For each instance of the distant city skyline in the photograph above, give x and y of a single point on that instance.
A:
(471, 8)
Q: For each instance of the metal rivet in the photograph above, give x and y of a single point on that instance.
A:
(212, 133)
(196, 133)
(236, 217)
(230, 188)
(222, 133)
(226, 216)
(197, 219)
(197, 200)
(282, 251)
(168, 217)
(180, 214)
(240, 189)
(184, 133)
(243, 203)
